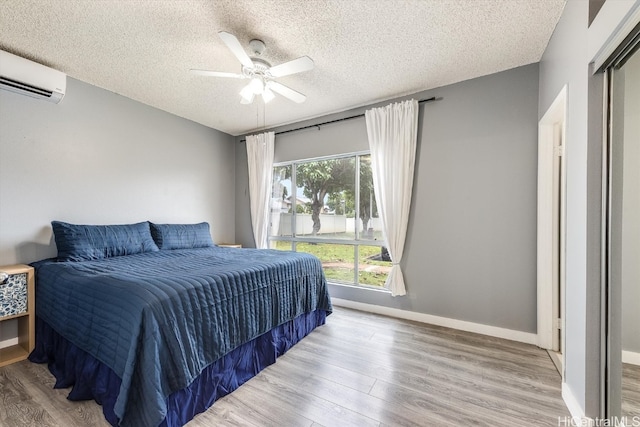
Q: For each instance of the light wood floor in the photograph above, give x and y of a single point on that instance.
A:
(358, 370)
(631, 391)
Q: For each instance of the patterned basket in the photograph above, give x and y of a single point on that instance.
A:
(13, 295)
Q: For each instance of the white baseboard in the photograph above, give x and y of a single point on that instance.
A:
(9, 342)
(576, 411)
(630, 357)
(462, 325)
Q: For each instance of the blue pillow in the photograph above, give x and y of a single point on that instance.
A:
(91, 242)
(182, 236)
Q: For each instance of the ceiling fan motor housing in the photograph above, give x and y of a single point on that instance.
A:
(260, 68)
(257, 47)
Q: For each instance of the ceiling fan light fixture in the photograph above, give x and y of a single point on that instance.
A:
(247, 94)
(267, 95)
(245, 101)
(257, 85)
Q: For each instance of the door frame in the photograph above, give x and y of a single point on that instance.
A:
(551, 255)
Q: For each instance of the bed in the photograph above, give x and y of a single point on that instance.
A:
(157, 323)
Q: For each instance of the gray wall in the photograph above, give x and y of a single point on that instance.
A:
(565, 62)
(631, 208)
(470, 252)
(100, 158)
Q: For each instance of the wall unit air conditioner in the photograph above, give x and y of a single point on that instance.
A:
(29, 78)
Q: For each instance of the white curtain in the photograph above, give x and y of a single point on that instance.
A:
(393, 134)
(260, 149)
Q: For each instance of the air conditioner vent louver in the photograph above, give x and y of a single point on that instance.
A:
(22, 86)
(29, 78)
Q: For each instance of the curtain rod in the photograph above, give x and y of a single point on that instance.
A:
(433, 98)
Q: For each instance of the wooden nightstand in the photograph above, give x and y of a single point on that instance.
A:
(17, 301)
(229, 245)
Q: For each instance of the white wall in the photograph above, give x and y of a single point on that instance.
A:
(304, 224)
(330, 224)
(100, 158)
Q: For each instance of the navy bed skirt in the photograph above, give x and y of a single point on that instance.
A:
(91, 379)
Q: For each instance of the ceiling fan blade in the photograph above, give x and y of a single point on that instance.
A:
(287, 92)
(216, 74)
(304, 63)
(236, 48)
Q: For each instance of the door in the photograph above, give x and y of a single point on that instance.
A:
(551, 228)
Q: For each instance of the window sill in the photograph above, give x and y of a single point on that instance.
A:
(363, 287)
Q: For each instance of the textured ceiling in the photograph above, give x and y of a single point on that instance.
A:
(364, 50)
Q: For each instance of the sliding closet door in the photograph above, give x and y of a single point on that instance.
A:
(623, 266)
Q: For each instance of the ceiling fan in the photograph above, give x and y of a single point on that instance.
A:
(260, 72)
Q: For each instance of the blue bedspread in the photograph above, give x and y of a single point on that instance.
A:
(158, 319)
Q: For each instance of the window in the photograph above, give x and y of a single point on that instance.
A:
(327, 207)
